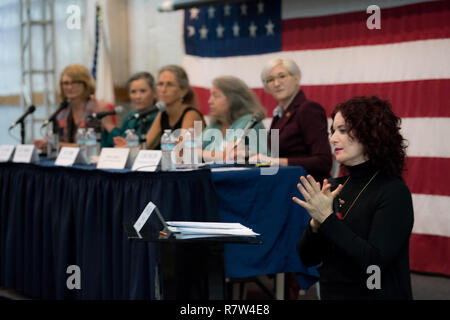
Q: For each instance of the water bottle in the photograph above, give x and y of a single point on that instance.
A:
(81, 141)
(190, 152)
(91, 144)
(167, 146)
(132, 143)
(52, 145)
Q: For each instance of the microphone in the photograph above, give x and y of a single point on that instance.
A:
(62, 106)
(254, 120)
(100, 115)
(159, 106)
(30, 110)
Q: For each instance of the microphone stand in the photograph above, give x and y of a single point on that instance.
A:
(142, 138)
(22, 132)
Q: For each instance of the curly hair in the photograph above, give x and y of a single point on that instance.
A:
(373, 123)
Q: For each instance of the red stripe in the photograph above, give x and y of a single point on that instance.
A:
(424, 98)
(406, 23)
(429, 253)
(428, 175)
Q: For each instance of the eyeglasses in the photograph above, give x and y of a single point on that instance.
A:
(280, 77)
(69, 83)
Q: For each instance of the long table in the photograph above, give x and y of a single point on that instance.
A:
(52, 218)
(263, 202)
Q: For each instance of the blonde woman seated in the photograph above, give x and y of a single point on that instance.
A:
(77, 88)
(233, 108)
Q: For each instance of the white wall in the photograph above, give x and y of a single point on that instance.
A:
(155, 37)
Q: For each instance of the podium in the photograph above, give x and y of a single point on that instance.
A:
(190, 269)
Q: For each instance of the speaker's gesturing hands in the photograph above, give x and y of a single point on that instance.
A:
(318, 202)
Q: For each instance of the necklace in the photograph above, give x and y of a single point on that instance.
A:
(339, 214)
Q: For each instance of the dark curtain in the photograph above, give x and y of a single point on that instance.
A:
(54, 217)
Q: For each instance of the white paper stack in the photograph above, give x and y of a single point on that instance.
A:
(190, 230)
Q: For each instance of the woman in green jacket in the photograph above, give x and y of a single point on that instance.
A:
(233, 108)
(141, 89)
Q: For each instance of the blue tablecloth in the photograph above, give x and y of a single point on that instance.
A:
(263, 203)
(52, 217)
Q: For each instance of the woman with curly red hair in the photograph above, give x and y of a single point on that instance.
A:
(361, 223)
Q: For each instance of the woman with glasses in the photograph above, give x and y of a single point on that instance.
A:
(302, 124)
(76, 87)
(233, 107)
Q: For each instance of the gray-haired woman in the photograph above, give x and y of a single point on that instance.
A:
(302, 124)
(233, 107)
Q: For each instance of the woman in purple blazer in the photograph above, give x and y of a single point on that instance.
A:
(302, 124)
(303, 135)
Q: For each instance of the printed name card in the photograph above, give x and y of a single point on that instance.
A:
(113, 158)
(70, 155)
(147, 160)
(26, 153)
(144, 217)
(6, 151)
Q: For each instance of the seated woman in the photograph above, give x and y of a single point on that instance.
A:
(141, 89)
(302, 123)
(76, 87)
(233, 105)
(174, 90)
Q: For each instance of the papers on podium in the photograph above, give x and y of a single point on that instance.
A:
(190, 230)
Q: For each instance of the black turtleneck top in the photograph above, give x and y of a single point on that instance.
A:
(375, 231)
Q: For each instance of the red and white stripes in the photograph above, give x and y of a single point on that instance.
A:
(406, 62)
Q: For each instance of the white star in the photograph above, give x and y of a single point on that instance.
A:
(211, 11)
(260, 7)
(220, 31)
(243, 9)
(252, 29)
(236, 29)
(203, 32)
(194, 13)
(227, 10)
(269, 27)
(191, 31)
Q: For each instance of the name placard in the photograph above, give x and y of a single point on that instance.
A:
(25, 153)
(144, 217)
(70, 155)
(147, 160)
(113, 158)
(6, 151)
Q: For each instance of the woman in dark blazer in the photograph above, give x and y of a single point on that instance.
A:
(302, 124)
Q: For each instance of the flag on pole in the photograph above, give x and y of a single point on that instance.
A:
(406, 61)
(101, 65)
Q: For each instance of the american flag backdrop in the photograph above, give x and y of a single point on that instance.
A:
(407, 61)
